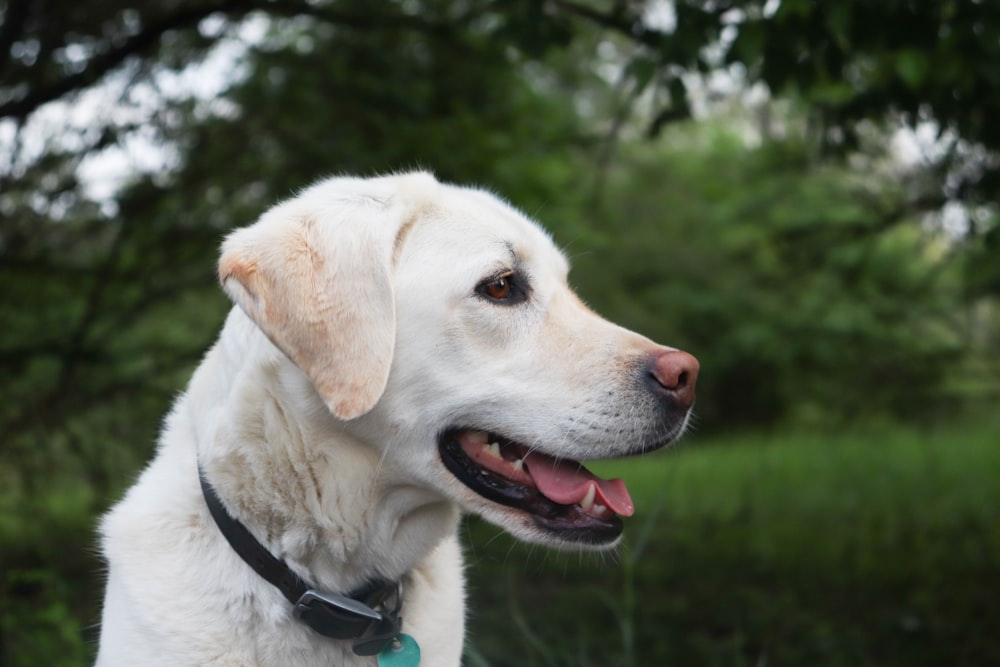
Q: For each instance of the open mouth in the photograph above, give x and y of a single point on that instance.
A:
(561, 496)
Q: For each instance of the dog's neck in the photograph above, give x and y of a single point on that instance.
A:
(277, 459)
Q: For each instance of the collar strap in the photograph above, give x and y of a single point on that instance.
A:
(363, 615)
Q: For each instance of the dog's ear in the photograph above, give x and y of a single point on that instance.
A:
(318, 283)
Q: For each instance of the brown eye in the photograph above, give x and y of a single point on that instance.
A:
(499, 289)
(507, 289)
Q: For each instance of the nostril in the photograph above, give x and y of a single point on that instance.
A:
(668, 382)
(682, 379)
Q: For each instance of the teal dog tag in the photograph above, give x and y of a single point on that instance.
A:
(402, 652)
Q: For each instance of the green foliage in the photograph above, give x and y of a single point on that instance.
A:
(38, 623)
(856, 59)
(48, 583)
(307, 111)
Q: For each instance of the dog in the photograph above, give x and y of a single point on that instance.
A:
(400, 351)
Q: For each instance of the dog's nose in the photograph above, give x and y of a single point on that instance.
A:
(675, 373)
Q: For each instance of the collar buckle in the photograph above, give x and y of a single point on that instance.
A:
(341, 617)
(334, 615)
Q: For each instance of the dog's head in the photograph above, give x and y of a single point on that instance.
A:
(437, 324)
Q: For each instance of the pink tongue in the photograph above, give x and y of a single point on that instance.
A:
(566, 483)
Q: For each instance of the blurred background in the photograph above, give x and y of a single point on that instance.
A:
(803, 194)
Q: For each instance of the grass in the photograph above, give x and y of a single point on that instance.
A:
(869, 547)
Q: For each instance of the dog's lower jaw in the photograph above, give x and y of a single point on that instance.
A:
(529, 529)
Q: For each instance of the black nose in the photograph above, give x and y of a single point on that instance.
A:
(675, 374)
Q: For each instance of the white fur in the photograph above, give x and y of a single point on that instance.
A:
(357, 339)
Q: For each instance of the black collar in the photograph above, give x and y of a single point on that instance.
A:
(362, 615)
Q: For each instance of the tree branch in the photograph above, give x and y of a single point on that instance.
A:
(616, 20)
(145, 40)
(104, 62)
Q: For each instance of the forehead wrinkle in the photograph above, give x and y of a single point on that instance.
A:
(515, 260)
(511, 261)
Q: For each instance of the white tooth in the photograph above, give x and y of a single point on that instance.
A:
(518, 464)
(493, 449)
(476, 437)
(599, 509)
(588, 500)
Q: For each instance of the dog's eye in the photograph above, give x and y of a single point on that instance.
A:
(506, 289)
(499, 289)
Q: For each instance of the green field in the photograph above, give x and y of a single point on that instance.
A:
(870, 547)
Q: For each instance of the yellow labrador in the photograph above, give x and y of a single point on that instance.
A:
(401, 350)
